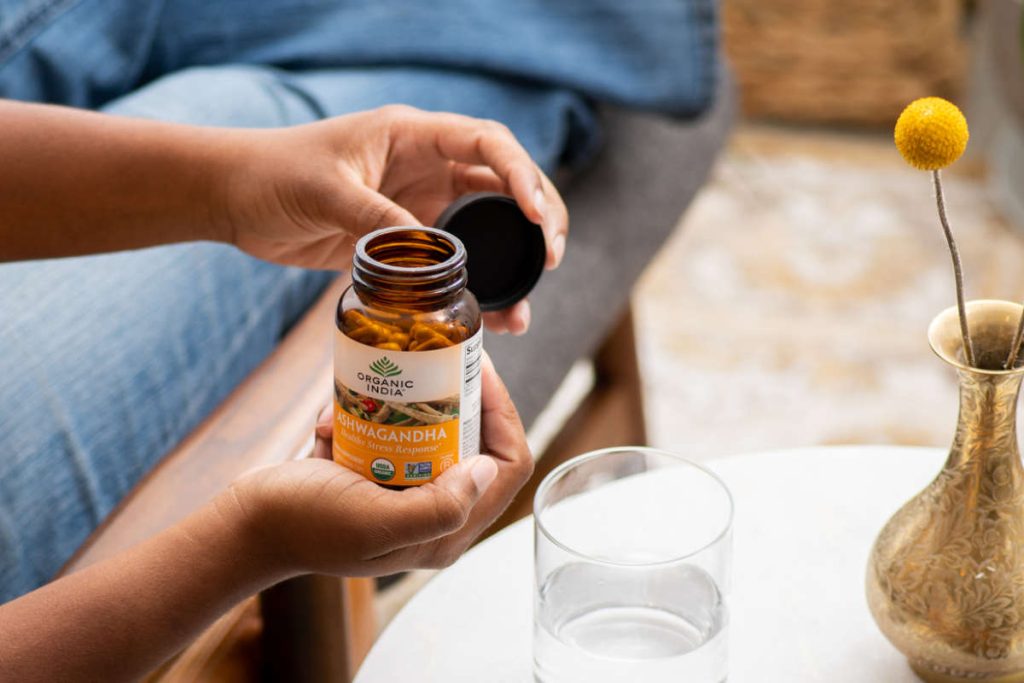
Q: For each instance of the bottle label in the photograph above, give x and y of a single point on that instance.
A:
(403, 417)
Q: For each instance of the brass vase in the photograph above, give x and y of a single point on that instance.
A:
(945, 580)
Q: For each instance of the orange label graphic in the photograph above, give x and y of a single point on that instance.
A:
(389, 454)
(402, 418)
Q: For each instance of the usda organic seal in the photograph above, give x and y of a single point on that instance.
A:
(382, 469)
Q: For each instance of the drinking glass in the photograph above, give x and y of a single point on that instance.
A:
(632, 560)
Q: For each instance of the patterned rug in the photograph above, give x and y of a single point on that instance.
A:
(790, 307)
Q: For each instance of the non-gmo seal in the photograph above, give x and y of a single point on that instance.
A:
(382, 469)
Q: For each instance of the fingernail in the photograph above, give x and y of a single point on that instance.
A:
(524, 319)
(325, 415)
(483, 470)
(540, 203)
(558, 248)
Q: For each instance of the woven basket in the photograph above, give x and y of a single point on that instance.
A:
(841, 61)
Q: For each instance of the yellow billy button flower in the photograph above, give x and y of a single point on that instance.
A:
(931, 133)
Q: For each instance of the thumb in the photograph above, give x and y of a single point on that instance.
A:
(427, 512)
(372, 210)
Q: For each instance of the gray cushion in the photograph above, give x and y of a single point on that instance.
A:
(621, 211)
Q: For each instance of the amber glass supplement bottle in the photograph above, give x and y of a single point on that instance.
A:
(407, 358)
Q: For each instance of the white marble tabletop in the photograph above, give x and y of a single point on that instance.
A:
(805, 521)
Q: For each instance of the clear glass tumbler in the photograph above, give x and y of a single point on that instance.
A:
(632, 560)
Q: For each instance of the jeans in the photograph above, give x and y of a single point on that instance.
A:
(107, 362)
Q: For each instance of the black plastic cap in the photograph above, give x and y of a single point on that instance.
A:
(506, 250)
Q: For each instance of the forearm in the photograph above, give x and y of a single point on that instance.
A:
(76, 182)
(121, 618)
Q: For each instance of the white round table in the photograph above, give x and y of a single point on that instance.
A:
(805, 521)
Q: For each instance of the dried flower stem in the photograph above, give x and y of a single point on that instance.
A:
(1015, 346)
(958, 271)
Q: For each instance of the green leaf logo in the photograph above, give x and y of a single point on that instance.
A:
(385, 368)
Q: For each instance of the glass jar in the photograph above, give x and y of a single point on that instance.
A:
(407, 355)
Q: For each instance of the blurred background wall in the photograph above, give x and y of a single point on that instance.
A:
(847, 62)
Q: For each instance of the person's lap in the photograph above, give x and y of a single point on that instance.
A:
(109, 361)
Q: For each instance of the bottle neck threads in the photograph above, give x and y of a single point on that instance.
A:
(409, 266)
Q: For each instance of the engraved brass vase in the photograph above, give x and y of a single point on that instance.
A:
(945, 580)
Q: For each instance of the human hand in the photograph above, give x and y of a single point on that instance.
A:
(317, 516)
(303, 195)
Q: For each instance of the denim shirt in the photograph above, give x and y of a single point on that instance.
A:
(648, 54)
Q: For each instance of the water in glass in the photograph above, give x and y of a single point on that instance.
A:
(655, 624)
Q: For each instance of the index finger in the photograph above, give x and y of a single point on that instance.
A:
(477, 141)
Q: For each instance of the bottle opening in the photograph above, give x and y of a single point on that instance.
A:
(425, 262)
